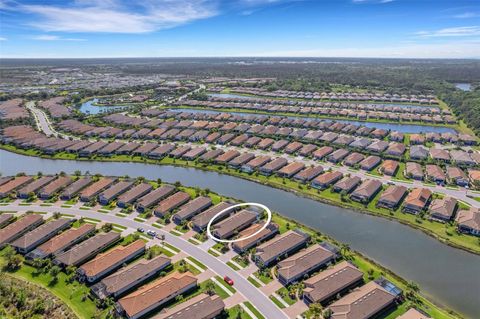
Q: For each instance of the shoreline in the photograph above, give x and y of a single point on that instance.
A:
(227, 171)
(364, 263)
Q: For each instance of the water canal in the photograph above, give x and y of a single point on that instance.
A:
(448, 275)
(403, 128)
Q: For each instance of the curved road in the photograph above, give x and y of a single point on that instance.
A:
(245, 288)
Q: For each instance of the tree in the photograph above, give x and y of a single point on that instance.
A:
(315, 310)
(57, 215)
(107, 227)
(210, 287)
(13, 260)
(77, 173)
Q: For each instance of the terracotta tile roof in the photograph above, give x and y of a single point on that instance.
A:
(331, 281)
(156, 292)
(108, 259)
(362, 303)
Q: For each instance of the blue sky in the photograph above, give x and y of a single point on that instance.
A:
(171, 28)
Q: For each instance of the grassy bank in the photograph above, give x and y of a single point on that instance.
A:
(445, 233)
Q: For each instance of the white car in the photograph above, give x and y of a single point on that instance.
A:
(151, 233)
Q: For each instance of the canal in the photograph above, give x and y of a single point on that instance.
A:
(403, 128)
(448, 275)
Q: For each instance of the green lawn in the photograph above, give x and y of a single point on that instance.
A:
(231, 265)
(235, 311)
(222, 282)
(253, 310)
(283, 292)
(265, 279)
(254, 282)
(277, 302)
(196, 262)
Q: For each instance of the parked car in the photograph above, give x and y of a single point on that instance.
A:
(151, 233)
(140, 230)
(228, 280)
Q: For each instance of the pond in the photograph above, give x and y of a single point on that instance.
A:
(464, 86)
(89, 107)
(403, 128)
(449, 275)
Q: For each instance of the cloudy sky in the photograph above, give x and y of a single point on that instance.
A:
(187, 28)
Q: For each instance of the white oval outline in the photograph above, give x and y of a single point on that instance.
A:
(269, 218)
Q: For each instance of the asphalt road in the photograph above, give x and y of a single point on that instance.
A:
(245, 288)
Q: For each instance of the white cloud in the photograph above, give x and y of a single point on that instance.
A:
(467, 15)
(371, 1)
(464, 49)
(48, 37)
(3, 39)
(112, 16)
(451, 32)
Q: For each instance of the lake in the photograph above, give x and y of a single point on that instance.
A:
(449, 275)
(463, 86)
(403, 128)
(89, 107)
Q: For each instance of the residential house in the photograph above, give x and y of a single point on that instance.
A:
(109, 261)
(392, 197)
(74, 188)
(414, 170)
(331, 282)
(53, 187)
(13, 184)
(200, 221)
(192, 208)
(129, 277)
(268, 232)
(34, 186)
(202, 306)
(87, 249)
(61, 242)
(114, 191)
(154, 197)
(418, 152)
(322, 152)
(39, 235)
(366, 191)
(130, 196)
(365, 302)
(280, 247)
(308, 173)
(435, 174)
(417, 200)
(468, 221)
(456, 176)
(389, 167)
(443, 209)
(326, 179)
(273, 166)
(338, 155)
(234, 223)
(305, 262)
(19, 227)
(370, 162)
(347, 184)
(156, 293)
(170, 203)
(89, 193)
(291, 169)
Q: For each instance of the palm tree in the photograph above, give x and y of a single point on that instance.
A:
(316, 310)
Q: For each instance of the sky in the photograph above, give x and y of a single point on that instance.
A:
(220, 28)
